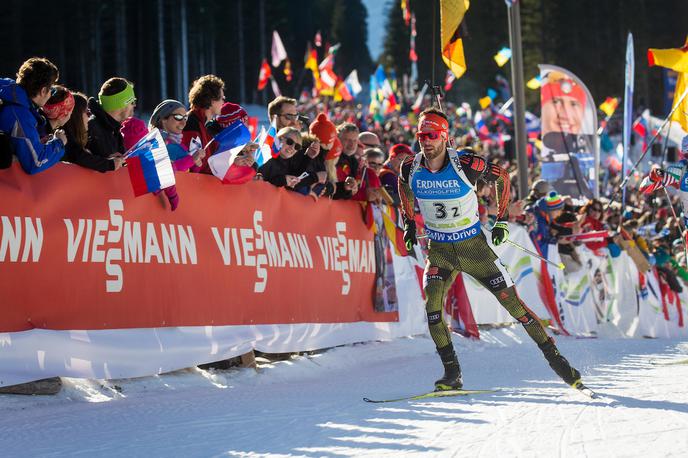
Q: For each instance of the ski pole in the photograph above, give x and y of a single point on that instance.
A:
(559, 266)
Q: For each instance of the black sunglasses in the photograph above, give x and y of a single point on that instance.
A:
(290, 142)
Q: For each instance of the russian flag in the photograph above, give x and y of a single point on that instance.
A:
(231, 140)
(149, 165)
(233, 135)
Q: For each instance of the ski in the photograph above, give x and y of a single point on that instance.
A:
(669, 363)
(585, 390)
(433, 394)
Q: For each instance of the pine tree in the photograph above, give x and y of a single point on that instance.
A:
(396, 43)
(350, 29)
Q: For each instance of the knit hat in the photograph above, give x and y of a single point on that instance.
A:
(400, 148)
(132, 130)
(323, 128)
(163, 110)
(553, 201)
(230, 112)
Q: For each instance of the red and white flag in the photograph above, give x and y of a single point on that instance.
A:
(264, 75)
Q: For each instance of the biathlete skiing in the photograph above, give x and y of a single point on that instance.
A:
(443, 181)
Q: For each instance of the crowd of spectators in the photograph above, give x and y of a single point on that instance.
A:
(323, 150)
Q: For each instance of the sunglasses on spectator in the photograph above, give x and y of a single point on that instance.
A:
(596, 209)
(290, 142)
(432, 135)
(374, 164)
(290, 116)
(179, 117)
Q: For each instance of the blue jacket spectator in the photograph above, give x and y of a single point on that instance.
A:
(20, 117)
(546, 210)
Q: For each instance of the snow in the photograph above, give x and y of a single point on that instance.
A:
(312, 405)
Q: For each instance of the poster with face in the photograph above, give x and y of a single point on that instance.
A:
(569, 120)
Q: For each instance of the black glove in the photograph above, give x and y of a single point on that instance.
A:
(500, 233)
(409, 234)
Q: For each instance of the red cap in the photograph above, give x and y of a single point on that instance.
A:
(400, 149)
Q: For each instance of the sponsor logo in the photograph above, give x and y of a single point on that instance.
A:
(438, 184)
(497, 281)
(434, 317)
(433, 273)
(454, 236)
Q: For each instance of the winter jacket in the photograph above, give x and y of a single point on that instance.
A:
(20, 118)
(104, 138)
(76, 154)
(195, 127)
(275, 170)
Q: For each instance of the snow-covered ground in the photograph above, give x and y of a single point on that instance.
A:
(312, 406)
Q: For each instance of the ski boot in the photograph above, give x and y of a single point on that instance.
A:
(559, 364)
(452, 371)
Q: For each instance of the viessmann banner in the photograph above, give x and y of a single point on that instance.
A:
(78, 251)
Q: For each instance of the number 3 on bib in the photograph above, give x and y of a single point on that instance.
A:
(441, 210)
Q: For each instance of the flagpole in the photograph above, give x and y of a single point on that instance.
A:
(518, 96)
(664, 148)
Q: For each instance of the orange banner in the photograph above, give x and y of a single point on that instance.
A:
(78, 251)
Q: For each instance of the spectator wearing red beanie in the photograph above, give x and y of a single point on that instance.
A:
(324, 151)
(229, 113)
(390, 170)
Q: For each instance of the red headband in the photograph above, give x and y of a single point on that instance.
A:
(562, 88)
(59, 109)
(431, 121)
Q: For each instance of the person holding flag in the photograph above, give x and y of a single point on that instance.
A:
(676, 176)
(443, 181)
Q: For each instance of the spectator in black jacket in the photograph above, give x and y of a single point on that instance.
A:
(76, 150)
(116, 102)
(281, 171)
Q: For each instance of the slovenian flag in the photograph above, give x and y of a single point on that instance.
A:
(149, 165)
(231, 141)
(269, 144)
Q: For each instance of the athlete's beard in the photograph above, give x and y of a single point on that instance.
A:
(434, 151)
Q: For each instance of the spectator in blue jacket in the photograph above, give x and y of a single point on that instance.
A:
(20, 117)
(546, 211)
